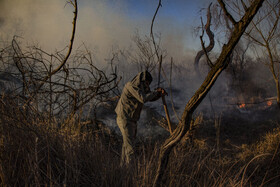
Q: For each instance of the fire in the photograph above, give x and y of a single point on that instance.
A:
(242, 105)
(269, 103)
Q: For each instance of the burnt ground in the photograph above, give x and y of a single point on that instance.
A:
(236, 127)
(232, 126)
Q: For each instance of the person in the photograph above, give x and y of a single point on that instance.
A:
(135, 93)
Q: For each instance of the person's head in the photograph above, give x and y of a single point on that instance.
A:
(147, 83)
(142, 78)
(146, 77)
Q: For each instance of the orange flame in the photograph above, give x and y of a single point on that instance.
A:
(269, 103)
(242, 105)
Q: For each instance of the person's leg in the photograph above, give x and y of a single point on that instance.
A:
(128, 130)
(129, 140)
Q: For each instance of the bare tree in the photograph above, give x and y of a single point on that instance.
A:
(220, 64)
(266, 37)
(145, 56)
(63, 62)
(46, 82)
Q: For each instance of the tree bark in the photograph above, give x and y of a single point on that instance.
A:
(220, 65)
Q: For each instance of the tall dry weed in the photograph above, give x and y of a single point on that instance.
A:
(34, 152)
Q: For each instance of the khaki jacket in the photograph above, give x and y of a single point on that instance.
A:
(133, 96)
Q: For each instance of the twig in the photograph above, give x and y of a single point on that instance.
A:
(67, 55)
(160, 67)
(223, 6)
(152, 25)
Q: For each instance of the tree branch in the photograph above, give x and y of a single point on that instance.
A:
(67, 55)
(205, 50)
(223, 6)
(244, 5)
(152, 25)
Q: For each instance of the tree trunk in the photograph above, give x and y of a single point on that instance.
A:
(196, 99)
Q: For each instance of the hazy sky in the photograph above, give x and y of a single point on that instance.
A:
(102, 23)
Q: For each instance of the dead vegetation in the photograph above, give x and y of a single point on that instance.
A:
(50, 131)
(33, 153)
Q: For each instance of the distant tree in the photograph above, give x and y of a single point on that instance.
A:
(265, 34)
(144, 55)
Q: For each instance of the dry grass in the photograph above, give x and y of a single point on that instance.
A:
(35, 153)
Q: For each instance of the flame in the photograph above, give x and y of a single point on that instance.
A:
(269, 103)
(242, 105)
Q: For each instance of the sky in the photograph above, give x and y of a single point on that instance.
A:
(102, 24)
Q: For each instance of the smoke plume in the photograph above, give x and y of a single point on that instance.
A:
(102, 25)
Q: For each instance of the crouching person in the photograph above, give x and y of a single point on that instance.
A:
(135, 93)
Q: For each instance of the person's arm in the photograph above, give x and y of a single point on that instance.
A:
(160, 92)
(158, 95)
(140, 94)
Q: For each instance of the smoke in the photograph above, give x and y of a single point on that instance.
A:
(106, 25)
(102, 25)
(43, 22)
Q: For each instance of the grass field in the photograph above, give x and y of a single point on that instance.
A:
(224, 152)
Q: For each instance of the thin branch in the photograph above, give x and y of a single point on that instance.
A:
(152, 25)
(205, 50)
(159, 69)
(244, 5)
(223, 6)
(211, 38)
(67, 55)
(254, 39)
(70, 44)
(153, 39)
(274, 28)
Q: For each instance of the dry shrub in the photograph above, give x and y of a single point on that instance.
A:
(269, 144)
(266, 156)
(34, 152)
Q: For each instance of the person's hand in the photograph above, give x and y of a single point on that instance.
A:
(161, 91)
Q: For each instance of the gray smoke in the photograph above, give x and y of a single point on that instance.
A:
(102, 25)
